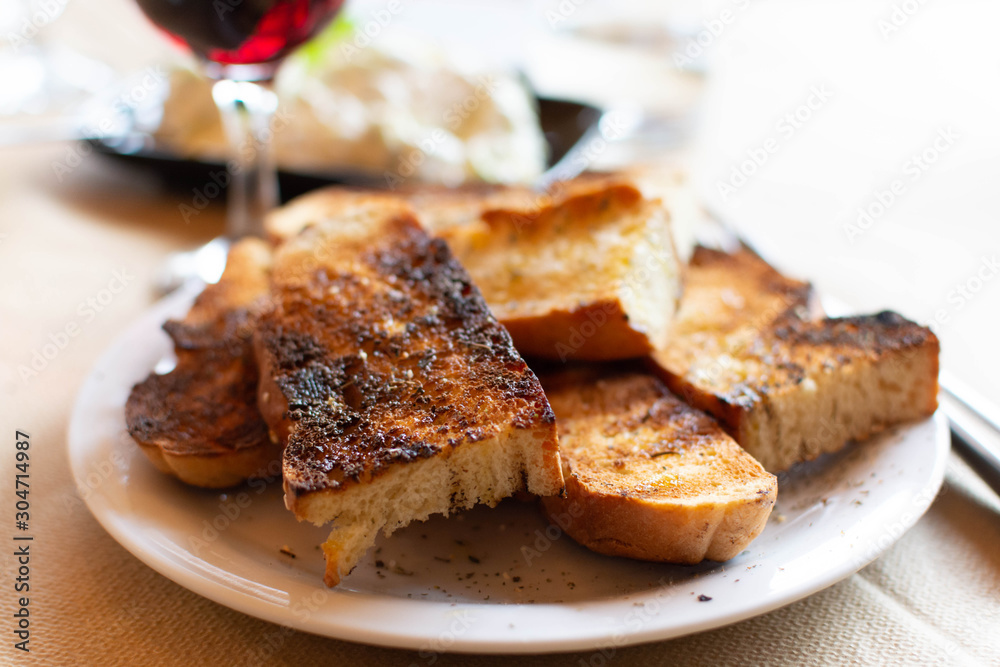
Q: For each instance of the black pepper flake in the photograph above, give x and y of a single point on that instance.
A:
(287, 552)
(703, 598)
(473, 559)
(379, 564)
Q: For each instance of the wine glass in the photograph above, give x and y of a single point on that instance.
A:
(241, 44)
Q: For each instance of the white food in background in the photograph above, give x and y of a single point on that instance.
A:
(399, 109)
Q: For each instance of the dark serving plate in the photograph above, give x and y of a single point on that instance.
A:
(563, 123)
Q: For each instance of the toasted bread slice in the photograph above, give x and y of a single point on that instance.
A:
(736, 292)
(330, 204)
(581, 277)
(397, 392)
(649, 477)
(200, 422)
(665, 183)
(787, 387)
(578, 273)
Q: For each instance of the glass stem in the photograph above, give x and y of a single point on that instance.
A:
(248, 109)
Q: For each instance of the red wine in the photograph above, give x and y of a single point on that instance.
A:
(241, 32)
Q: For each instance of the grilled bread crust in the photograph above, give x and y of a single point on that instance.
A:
(200, 422)
(649, 477)
(787, 387)
(397, 393)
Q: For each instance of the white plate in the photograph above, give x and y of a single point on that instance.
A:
(488, 580)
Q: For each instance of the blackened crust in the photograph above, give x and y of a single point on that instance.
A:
(207, 405)
(384, 352)
(883, 332)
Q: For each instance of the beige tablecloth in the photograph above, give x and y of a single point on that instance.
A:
(933, 598)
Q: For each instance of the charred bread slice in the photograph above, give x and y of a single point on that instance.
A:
(396, 392)
(648, 476)
(789, 388)
(200, 421)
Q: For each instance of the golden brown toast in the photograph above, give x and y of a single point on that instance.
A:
(738, 291)
(665, 183)
(397, 393)
(580, 278)
(200, 422)
(646, 475)
(579, 273)
(788, 387)
(329, 204)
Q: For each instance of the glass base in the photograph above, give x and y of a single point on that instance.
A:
(256, 72)
(205, 264)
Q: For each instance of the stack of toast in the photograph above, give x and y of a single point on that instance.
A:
(397, 355)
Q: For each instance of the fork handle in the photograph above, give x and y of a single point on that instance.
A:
(974, 439)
